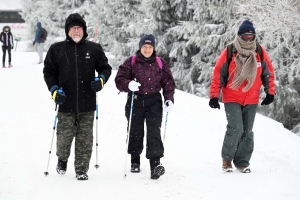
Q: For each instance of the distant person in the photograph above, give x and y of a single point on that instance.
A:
(38, 41)
(69, 73)
(7, 40)
(250, 68)
(145, 77)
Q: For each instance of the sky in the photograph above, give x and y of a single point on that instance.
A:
(193, 140)
(8, 5)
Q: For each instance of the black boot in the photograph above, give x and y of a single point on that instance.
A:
(82, 176)
(157, 172)
(61, 167)
(135, 163)
(156, 169)
(135, 168)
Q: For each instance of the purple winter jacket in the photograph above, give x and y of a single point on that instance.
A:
(149, 75)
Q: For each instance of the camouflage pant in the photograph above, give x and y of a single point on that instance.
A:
(80, 126)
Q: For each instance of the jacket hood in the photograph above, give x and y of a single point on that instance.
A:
(75, 17)
(6, 27)
(39, 25)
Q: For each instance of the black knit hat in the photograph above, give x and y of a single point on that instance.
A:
(76, 20)
(75, 23)
(147, 39)
(246, 26)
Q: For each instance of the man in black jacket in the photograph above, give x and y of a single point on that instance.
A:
(69, 73)
(7, 40)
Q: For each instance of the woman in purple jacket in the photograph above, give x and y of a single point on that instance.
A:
(145, 74)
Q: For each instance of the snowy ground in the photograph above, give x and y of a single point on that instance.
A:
(192, 149)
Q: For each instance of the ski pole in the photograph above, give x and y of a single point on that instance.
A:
(97, 166)
(165, 127)
(128, 133)
(163, 141)
(54, 128)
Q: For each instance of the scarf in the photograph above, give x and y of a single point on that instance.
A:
(246, 65)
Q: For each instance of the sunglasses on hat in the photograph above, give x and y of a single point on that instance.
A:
(247, 36)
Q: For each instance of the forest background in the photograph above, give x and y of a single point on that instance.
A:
(190, 35)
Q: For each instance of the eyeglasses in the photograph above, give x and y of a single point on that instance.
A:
(74, 28)
(247, 36)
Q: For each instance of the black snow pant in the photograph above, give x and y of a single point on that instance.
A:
(146, 108)
(238, 141)
(8, 48)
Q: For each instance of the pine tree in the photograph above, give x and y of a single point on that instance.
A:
(194, 42)
(119, 29)
(53, 15)
(190, 35)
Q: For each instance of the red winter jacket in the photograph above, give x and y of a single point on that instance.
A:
(264, 76)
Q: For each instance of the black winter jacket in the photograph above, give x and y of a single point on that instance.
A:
(72, 67)
(4, 35)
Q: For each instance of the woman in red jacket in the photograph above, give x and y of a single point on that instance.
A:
(240, 83)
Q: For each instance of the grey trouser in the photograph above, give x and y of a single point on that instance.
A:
(40, 49)
(80, 126)
(238, 142)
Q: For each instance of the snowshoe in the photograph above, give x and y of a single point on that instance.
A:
(157, 172)
(61, 167)
(135, 168)
(82, 176)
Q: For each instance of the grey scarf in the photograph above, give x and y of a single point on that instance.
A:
(246, 65)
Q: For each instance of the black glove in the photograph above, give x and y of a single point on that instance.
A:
(98, 83)
(12, 47)
(214, 103)
(58, 95)
(33, 43)
(269, 99)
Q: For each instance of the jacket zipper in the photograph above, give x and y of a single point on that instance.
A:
(67, 58)
(77, 96)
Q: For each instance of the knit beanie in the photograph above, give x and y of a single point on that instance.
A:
(147, 39)
(246, 26)
(75, 23)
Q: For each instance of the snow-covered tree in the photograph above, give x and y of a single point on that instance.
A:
(53, 15)
(190, 35)
(193, 43)
(119, 27)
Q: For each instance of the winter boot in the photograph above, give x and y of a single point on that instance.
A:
(156, 169)
(61, 167)
(244, 169)
(227, 167)
(10, 65)
(157, 172)
(3, 66)
(135, 168)
(82, 176)
(135, 163)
